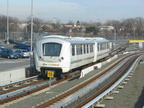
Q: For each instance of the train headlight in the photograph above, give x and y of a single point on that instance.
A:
(61, 59)
(40, 58)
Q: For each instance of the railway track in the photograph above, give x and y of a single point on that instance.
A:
(45, 86)
(31, 83)
(20, 89)
(105, 79)
(33, 80)
(19, 84)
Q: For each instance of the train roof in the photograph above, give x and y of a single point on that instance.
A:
(76, 40)
(57, 36)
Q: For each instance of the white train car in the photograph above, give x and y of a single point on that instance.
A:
(61, 54)
(102, 48)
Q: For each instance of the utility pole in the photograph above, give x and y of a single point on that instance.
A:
(115, 38)
(31, 56)
(31, 24)
(7, 21)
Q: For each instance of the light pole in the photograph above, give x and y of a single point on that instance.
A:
(26, 28)
(31, 24)
(115, 39)
(31, 50)
(7, 21)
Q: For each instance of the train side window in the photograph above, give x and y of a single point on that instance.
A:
(77, 50)
(102, 46)
(73, 50)
(98, 47)
(105, 46)
(87, 48)
(91, 48)
(80, 49)
(108, 45)
(84, 47)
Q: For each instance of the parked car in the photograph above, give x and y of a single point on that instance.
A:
(9, 53)
(14, 41)
(0, 51)
(18, 46)
(1, 47)
(23, 46)
(20, 41)
(22, 53)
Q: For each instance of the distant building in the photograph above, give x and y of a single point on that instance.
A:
(108, 28)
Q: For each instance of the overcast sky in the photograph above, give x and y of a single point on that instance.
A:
(73, 10)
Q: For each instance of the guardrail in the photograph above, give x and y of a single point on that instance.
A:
(28, 89)
(76, 99)
(16, 83)
(92, 102)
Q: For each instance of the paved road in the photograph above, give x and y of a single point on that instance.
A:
(11, 64)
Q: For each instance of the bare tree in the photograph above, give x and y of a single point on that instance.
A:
(3, 23)
(139, 26)
(70, 22)
(36, 24)
(13, 24)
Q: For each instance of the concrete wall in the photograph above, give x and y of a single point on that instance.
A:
(14, 75)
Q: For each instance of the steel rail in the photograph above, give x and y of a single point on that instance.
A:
(102, 95)
(107, 88)
(19, 84)
(16, 86)
(25, 92)
(5, 98)
(52, 101)
(100, 87)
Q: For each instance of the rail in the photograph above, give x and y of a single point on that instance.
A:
(92, 102)
(7, 97)
(79, 95)
(4, 86)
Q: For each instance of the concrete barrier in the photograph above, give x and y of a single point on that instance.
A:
(14, 75)
(89, 69)
(96, 66)
(85, 71)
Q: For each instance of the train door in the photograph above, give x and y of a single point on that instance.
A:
(74, 56)
(79, 54)
(95, 51)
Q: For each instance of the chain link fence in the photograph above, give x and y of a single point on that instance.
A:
(20, 36)
(36, 36)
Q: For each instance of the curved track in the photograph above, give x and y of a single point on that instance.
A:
(45, 86)
(102, 86)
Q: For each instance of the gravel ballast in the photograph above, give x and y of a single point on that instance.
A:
(129, 97)
(132, 95)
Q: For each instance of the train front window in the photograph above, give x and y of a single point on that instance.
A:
(51, 49)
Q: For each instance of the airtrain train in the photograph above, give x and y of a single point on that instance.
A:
(61, 54)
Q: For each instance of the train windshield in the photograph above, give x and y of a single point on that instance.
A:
(51, 49)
